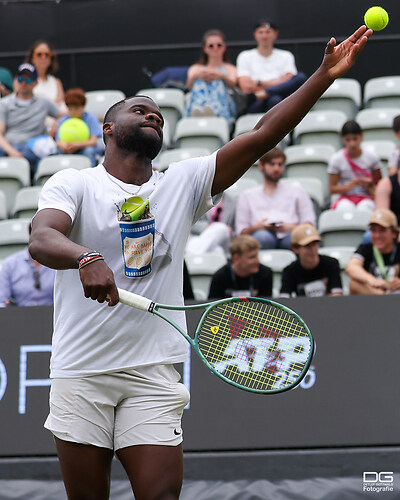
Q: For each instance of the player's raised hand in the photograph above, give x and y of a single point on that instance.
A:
(340, 58)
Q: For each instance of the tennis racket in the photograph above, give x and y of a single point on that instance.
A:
(252, 343)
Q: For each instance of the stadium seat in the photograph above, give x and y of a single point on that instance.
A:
(314, 189)
(310, 161)
(14, 174)
(3, 206)
(377, 123)
(342, 227)
(247, 122)
(343, 95)
(52, 164)
(174, 155)
(320, 127)
(170, 101)
(26, 202)
(201, 268)
(204, 132)
(343, 255)
(382, 149)
(277, 260)
(382, 92)
(99, 101)
(241, 185)
(14, 236)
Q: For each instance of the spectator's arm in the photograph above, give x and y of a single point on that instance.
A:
(4, 144)
(382, 193)
(357, 272)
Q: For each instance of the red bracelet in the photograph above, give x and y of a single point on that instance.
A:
(87, 258)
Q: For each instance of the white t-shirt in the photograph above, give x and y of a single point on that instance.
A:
(90, 337)
(252, 64)
(339, 165)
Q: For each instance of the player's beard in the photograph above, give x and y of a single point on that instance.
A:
(137, 141)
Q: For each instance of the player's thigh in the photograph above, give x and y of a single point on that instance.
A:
(155, 471)
(86, 470)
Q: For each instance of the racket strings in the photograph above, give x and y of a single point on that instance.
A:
(255, 344)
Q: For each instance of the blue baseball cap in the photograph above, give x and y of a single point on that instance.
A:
(29, 69)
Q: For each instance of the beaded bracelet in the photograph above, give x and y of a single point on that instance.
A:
(87, 258)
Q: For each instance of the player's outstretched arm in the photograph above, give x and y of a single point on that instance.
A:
(238, 155)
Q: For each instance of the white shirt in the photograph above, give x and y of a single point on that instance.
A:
(90, 337)
(252, 64)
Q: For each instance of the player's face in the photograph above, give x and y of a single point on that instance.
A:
(247, 263)
(308, 255)
(383, 238)
(273, 170)
(138, 127)
(265, 36)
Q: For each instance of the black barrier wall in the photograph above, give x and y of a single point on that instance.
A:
(349, 398)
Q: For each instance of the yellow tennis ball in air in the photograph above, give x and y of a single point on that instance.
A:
(376, 18)
(74, 130)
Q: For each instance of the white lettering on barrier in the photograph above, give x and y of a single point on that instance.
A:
(23, 381)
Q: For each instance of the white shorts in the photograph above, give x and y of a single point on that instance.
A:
(116, 410)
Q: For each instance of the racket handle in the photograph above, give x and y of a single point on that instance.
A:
(134, 300)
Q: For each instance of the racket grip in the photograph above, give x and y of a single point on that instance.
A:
(134, 300)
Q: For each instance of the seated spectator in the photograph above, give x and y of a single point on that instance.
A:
(270, 212)
(22, 117)
(44, 59)
(265, 73)
(387, 194)
(213, 232)
(353, 172)
(6, 82)
(244, 275)
(393, 163)
(374, 267)
(312, 274)
(210, 79)
(75, 100)
(25, 282)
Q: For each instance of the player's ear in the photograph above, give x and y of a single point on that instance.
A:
(108, 128)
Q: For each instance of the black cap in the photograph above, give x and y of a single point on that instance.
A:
(265, 22)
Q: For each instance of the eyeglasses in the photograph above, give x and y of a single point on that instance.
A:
(212, 45)
(43, 54)
(28, 80)
(36, 279)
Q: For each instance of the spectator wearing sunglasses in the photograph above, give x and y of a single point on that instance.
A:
(210, 79)
(22, 117)
(25, 282)
(45, 61)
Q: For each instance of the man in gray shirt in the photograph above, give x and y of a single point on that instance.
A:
(22, 116)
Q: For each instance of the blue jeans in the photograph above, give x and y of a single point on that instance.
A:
(277, 94)
(269, 240)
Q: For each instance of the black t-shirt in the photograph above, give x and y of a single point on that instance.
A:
(225, 283)
(323, 279)
(391, 260)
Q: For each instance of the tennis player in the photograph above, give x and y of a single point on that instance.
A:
(114, 387)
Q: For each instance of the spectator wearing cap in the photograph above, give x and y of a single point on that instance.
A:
(6, 82)
(22, 116)
(265, 73)
(374, 267)
(311, 274)
(75, 100)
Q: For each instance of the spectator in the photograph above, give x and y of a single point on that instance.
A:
(374, 268)
(75, 100)
(244, 275)
(353, 172)
(6, 82)
(210, 79)
(270, 212)
(393, 163)
(312, 274)
(22, 118)
(25, 282)
(387, 194)
(266, 73)
(44, 59)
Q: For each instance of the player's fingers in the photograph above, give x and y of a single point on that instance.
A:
(112, 297)
(330, 46)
